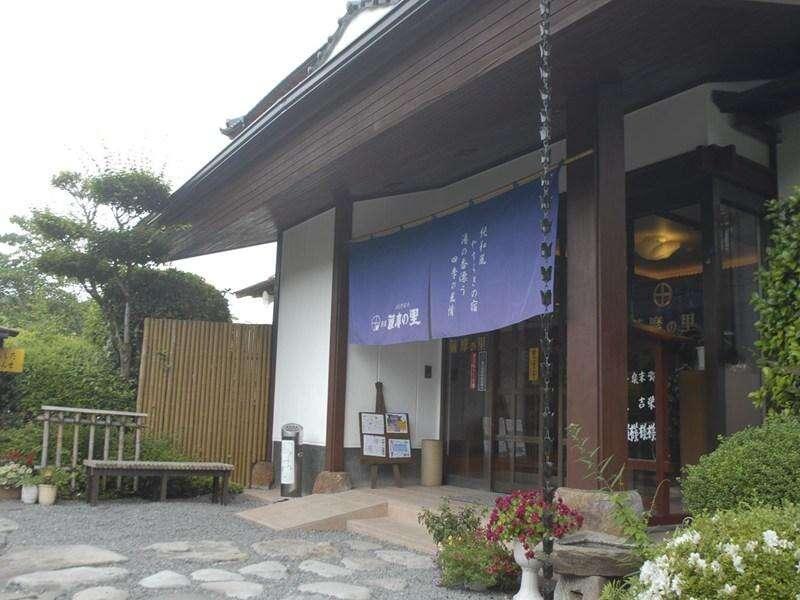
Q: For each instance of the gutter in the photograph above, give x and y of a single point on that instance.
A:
(399, 15)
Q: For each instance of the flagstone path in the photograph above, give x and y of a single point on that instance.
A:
(192, 550)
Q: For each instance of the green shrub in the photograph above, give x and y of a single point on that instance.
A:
(745, 554)
(63, 370)
(26, 439)
(759, 465)
(472, 561)
(446, 522)
(165, 449)
(778, 307)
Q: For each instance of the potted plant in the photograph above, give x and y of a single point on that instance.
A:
(11, 474)
(30, 488)
(518, 518)
(49, 480)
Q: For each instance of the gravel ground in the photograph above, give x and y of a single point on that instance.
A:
(128, 526)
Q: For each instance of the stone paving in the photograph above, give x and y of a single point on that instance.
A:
(307, 566)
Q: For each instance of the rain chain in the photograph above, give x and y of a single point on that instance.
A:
(547, 297)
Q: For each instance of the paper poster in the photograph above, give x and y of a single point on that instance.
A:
(374, 445)
(399, 448)
(396, 423)
(372, 423)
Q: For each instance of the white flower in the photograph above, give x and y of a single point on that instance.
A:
(728, 590)
(771, 538)
(737, 564)
(751, 546)
(695, 561)
(677, 585)
(690, 536)
(715, 566)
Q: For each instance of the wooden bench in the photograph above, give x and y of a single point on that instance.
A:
(95, 469)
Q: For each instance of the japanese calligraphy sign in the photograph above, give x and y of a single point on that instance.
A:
(486, 263)
(11, 360)
(475, 270)
(389, 288)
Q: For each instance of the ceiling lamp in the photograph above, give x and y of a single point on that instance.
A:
(656, 247)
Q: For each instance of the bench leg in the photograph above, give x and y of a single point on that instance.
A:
(225, 480)
(163, 495)
(398, 480)
(373, 476)
(94, 488)
(214, 489)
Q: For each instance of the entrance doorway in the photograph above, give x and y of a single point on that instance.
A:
(493, 408)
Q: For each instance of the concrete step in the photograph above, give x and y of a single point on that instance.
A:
(402, 512)
(386, 529)
(318, 511)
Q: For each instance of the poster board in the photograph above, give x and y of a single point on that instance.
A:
(385, 438)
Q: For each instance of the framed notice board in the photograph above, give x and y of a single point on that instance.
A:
(385, 438)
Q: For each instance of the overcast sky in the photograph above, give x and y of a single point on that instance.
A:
(150, 78)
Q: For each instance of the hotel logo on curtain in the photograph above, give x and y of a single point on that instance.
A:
(472, 271)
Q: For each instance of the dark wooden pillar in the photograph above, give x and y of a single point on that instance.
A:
(337, 366)
(597, 287)
(273, 346)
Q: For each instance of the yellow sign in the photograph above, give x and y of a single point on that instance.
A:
(11, 360)
(533, 364)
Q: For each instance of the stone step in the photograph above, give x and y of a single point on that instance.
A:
(318, 511)
(402, 512)
(411, 536)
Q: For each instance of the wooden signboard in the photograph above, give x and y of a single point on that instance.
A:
(385, 440)
(12, 360)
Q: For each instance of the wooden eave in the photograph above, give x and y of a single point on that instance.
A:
(442, 93)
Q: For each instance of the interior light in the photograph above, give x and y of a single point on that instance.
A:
(656, 247)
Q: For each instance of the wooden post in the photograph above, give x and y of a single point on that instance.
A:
(75, 438)
(59, 438)
(90, 450)
(106, 443)
(597, 287)
(120, 447)
(337, 366)
(45, 437)
(137, 447)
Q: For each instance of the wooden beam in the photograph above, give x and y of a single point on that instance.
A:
(337, 366)
(273, 347)
(597, 298)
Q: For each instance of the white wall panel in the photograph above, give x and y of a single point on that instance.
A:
(301, 381)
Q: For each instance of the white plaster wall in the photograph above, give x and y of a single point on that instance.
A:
(789, 154)
(683, 122)
(301, 368)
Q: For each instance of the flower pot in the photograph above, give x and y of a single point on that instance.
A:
(529, 585)
(29, 494)
(9, 493)
(47, 494)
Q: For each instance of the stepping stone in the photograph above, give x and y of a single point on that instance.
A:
(362, 545)
(46, 558)
(323, 569)
(165, 580)
(102, 593)
(207, 575)
(366, 563)
(294, 549)
(235, 589)
(200, 551)
(51, 595)
(269, 569)
(65, 579)
(336, 589)
(393, 584)
(183, 596)
(406, 559)
(7, 525)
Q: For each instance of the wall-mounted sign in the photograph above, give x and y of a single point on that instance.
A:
(12, 360)
(482, 370)
(473, 370)
(533, 364)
